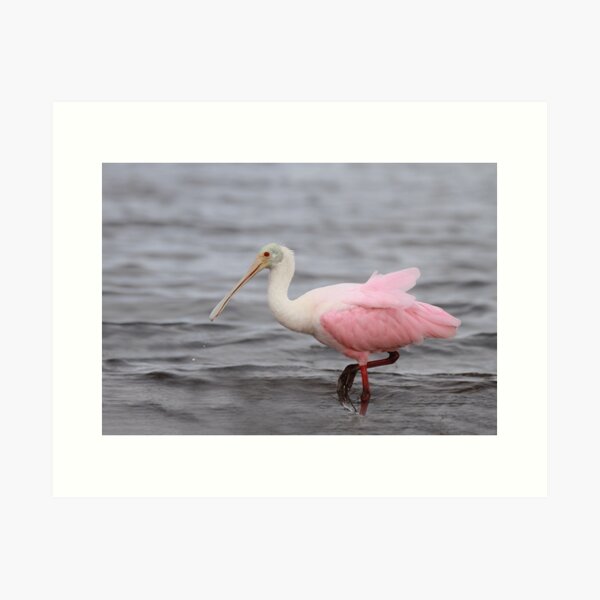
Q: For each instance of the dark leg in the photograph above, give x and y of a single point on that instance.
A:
(347, 379)
(344, 384)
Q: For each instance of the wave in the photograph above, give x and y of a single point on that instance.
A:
(240, 376)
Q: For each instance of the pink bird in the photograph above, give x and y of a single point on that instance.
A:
(356, 319)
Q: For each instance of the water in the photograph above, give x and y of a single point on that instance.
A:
(177, 237)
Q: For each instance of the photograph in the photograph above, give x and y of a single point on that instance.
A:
(299, 298)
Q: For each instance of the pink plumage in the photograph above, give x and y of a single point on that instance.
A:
(379, 316)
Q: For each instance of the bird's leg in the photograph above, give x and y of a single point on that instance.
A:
(366, 391)
(344, 384)
(390, 360)
(346, 379)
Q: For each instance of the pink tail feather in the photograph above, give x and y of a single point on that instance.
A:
(434, 321)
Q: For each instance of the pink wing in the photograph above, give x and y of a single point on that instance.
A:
(380, 315)
(384, 291)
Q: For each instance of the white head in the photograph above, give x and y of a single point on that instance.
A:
(268, 257)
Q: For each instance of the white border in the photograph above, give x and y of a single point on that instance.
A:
(513, 463)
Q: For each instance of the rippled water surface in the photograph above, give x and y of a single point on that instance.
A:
(177, 237)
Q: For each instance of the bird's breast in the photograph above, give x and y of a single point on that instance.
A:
(292, 316)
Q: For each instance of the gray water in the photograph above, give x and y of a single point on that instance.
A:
(176, 237)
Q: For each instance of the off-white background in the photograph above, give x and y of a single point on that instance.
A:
(513, 463)
(419, 548)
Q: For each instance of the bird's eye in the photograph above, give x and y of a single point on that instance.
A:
(266, 254)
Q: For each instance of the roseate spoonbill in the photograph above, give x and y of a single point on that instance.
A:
(355, 319)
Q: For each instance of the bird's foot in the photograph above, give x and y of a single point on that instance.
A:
(364, 402)
(344, 385)
(347, 404)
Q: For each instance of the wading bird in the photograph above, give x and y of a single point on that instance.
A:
(356, 319)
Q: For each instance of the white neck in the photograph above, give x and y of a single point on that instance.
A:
(281, 306)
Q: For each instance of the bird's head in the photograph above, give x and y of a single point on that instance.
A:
(268, 257)
(271, 255)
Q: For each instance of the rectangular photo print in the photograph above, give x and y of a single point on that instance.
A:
(299, 299)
